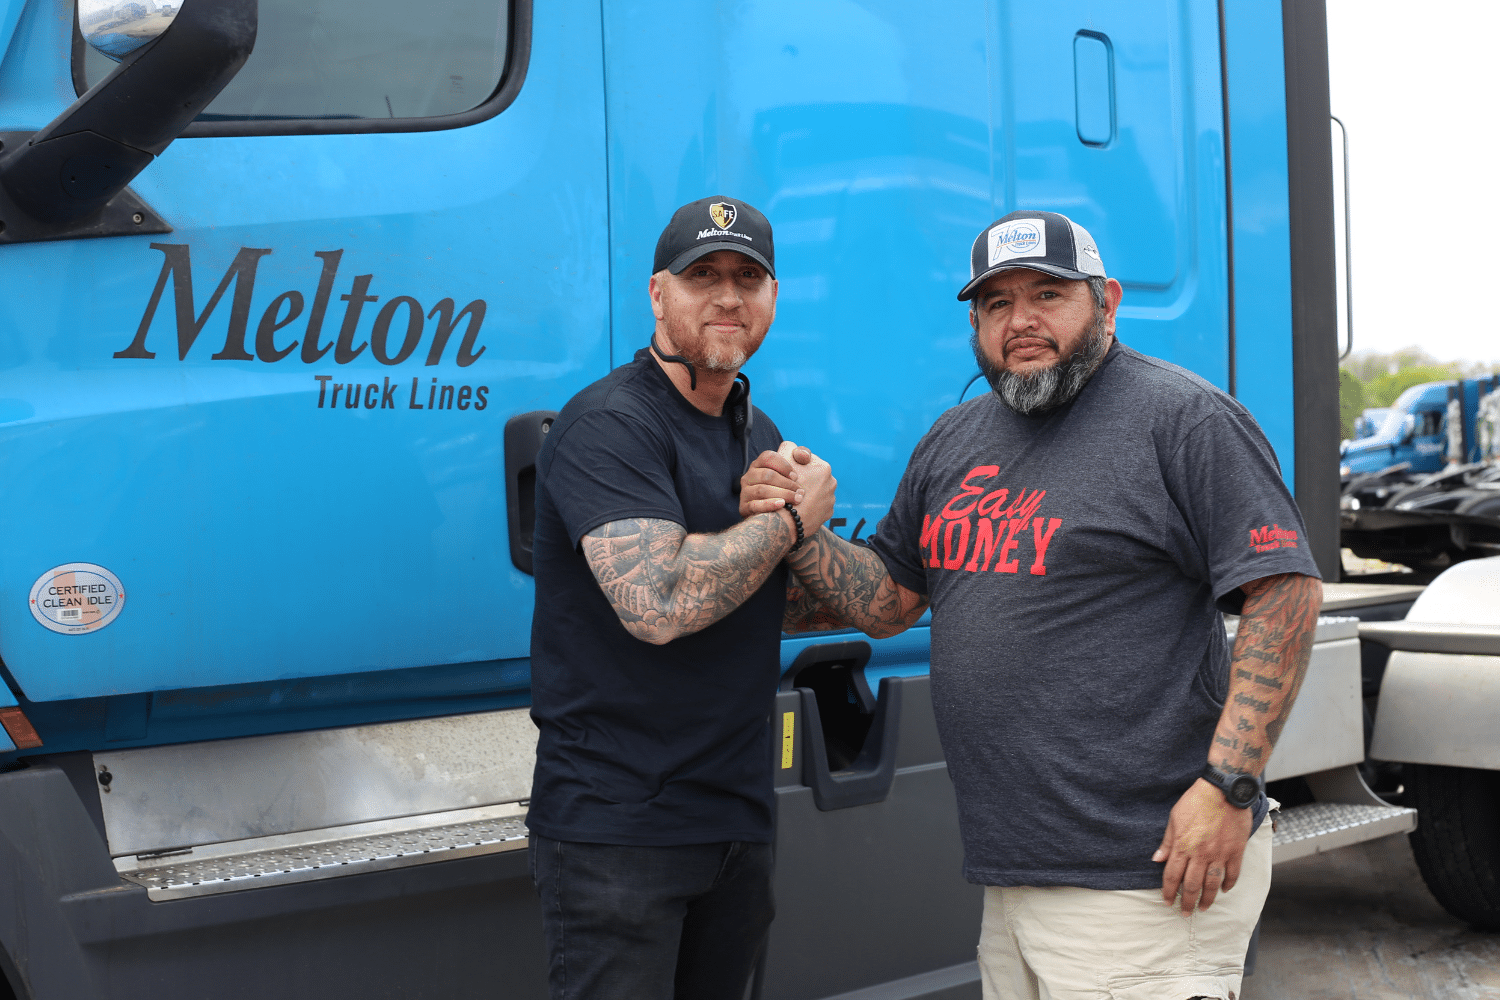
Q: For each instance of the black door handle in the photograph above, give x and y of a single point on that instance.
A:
(850, 734)
(524, 435)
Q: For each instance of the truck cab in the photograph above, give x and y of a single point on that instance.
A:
(269, 414)
(1414, 430)
(1428, 427)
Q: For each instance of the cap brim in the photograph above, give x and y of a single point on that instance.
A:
(682, 260)
(1043, 266)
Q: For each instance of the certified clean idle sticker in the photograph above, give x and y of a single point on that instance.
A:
(77, 597)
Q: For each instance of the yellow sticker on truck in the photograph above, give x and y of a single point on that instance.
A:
(788, 738)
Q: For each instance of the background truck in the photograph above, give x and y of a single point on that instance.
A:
(1428, 427)
(1424, 490)
(268, 417)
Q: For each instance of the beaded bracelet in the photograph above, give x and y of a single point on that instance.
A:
(797, 520)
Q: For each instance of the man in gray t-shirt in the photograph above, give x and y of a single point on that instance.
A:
(1077, 533)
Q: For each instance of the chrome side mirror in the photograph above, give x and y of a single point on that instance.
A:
(119, 27)
(1408, 428)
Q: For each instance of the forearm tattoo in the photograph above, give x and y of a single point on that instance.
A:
(805, 613)
(853, 585)
(665, 583)
(1271, 651)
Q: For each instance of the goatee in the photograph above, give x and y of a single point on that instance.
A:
(1045, 390)
(720, 359)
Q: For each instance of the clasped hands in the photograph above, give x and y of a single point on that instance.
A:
(791, 476)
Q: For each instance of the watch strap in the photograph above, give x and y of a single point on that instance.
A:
(1226, 782)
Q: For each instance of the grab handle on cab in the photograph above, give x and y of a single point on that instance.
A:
(849, 734)
(524, 435)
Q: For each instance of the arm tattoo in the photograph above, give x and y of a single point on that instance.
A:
(1271, 650)
(852, 583)
(805, 614)
(665, 583)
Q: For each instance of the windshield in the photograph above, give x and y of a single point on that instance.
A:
(1390, 425)
(1405, 403)
(1369, 423)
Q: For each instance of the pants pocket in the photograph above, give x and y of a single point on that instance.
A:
(1215, 986)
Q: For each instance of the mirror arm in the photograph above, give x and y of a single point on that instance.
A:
(70, 171)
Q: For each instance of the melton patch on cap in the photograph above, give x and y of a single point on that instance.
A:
(1021, 238)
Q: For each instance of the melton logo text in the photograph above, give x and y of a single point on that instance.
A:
(1274, 536)
(409, 316)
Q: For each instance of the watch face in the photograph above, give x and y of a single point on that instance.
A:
(1243, 790)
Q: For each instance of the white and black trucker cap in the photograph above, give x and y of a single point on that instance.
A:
(1041, 241)
(710, 224)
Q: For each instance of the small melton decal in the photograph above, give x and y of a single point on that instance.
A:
(1272, 536)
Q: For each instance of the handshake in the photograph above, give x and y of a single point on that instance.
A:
(790, 476)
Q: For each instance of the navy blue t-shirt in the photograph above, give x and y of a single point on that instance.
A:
(642, 744)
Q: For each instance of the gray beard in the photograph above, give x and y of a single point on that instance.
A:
(720, 360)
(1046, 390)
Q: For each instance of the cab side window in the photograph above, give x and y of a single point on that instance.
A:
(1429, 422)
(345, 65)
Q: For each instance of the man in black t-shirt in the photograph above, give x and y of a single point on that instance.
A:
(1077, 533)
(655, 646)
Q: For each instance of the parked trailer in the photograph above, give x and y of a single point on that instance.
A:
(269, 414)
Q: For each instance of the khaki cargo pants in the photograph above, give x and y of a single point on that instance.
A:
(1063, 943)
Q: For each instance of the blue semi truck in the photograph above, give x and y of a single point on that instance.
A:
(1424, 489)
(292, 292)
(1428, 427)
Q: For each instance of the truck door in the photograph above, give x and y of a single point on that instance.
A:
(879, 140)
(879, 137)
(278, 427)
(1114, 116)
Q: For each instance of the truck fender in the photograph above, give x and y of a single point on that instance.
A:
(1441, 692)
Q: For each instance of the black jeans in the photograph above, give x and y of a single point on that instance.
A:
(652, 923)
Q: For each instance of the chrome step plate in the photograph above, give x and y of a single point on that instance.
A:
(329, 853)
(1323, 826)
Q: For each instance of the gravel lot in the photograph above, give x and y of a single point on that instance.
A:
(1358, 924)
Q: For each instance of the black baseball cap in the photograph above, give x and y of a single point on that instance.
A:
(710, 224)
(1041, 241)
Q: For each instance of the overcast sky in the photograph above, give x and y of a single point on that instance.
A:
(1417, 84)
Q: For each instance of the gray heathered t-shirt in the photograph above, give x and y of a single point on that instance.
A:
(1074, 562)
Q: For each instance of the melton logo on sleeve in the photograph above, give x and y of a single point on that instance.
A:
(1272, 536)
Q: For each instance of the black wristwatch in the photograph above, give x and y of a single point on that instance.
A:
(1240, 790)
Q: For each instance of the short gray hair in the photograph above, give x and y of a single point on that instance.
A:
(1099, 286)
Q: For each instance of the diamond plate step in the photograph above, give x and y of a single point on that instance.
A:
(1323, 826)
(328, 853)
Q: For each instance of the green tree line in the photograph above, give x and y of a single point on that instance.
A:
(1369, 379)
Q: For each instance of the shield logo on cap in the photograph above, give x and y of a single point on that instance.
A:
(722, 213)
